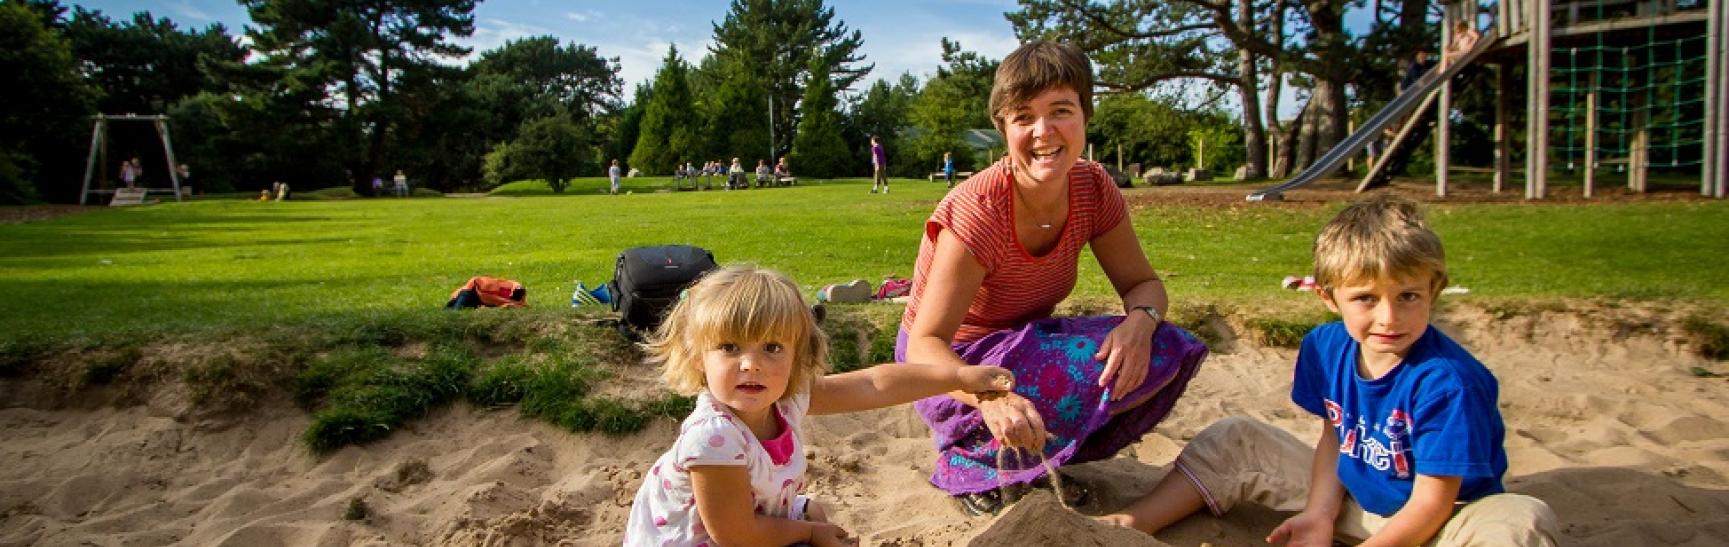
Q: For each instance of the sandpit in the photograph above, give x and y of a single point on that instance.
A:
(1605, 422)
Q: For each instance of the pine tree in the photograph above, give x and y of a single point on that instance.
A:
(667, 123)
(818, 150)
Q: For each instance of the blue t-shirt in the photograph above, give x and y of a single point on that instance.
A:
(948, 165)
(1434, 414)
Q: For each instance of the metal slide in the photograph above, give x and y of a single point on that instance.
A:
(1371, 129)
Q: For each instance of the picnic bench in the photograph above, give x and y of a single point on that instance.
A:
(959, 175)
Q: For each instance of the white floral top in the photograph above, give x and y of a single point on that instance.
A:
(664, 513)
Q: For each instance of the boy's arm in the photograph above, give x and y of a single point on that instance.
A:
(1430, 506)
(723, 501)
(896, 383)
(1314, 526)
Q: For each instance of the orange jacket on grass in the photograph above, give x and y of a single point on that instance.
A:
(492, 291)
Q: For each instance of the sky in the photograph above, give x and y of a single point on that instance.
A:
(900, 36)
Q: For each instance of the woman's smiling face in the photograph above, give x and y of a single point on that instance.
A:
(1045, 135)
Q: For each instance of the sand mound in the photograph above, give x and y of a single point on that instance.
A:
(1039, 520)
(1604, 422)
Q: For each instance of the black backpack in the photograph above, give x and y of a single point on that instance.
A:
(648, 280)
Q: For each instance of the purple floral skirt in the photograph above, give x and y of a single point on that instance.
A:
(1053, 363)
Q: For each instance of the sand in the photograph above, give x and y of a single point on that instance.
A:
(1605, 422)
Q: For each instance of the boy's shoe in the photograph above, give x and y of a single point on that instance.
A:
(857, 290)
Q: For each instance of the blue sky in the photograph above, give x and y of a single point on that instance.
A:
(899, 35)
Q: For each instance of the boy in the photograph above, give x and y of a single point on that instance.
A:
(1411, 444)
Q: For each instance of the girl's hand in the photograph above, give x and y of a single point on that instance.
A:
(986, 379)
(823, 534)
(1304, 530)
(1125, 352)
(1013, 420)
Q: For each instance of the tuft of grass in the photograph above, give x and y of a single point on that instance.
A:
(1709, 338)
(109, 364)
(370, 396)
(356, 509)
(19, 356)
(670, 405)
(503, 383)
(843, 346)
(556, 390)
(1281, 333)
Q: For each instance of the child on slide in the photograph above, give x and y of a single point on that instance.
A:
(746, 345)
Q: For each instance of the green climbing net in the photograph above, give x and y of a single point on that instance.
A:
(1654, 84)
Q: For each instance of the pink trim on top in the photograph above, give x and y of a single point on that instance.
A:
(779, 448)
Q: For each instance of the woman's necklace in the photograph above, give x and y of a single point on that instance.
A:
(1028, 206)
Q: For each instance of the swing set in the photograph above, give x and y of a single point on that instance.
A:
(99, 156)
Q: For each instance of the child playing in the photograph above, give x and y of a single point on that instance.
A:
(1411, 439)
(745, 343)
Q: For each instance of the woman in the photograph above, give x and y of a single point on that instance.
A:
(998, 254)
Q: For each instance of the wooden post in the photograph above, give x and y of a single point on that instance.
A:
(1119, 157)
(1537, 77)
(1716, 161)
(168, 152)
(1503, 149)
(1636, 161)
(96, 142)
(1443, 126)
(1591, 136)
(1351, 162)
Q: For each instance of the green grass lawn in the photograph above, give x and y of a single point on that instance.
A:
(234, 265)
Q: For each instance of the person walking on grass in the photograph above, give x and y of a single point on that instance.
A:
(949, 169)
(879, 166)
(613, 174)
(1411, 433)
(401, 181)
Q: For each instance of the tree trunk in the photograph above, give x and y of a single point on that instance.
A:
(1276, 87)
(1254, 133)
(1330, 43)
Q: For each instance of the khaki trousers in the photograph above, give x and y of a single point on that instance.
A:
(1241, 459)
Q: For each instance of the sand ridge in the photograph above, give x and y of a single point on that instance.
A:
(1604, 422)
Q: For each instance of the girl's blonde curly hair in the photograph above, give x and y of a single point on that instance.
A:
(740, 304)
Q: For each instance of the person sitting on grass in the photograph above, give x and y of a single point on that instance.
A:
(744, 342)
(997, 255)
(1411, 434)
(763, 176)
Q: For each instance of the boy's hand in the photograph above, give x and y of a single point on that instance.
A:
(986, 379)
(815, 511)
(1304, 530)
(823, 534)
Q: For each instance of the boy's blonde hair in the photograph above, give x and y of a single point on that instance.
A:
(740, 304)
(1036, 67)
(1380, 238)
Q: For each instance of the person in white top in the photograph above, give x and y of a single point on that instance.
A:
(1464, 38)
(744, 342)
(401, 184)
(613, 173)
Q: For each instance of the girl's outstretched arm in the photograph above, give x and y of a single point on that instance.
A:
(723, 499)
(897, 383)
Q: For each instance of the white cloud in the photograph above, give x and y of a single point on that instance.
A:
(184, 8)
(582, 16)
(493, 32)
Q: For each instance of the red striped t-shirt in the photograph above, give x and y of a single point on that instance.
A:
(1018, 287)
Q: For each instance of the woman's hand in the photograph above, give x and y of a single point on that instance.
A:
(1126, 351)
(985, 379)
(1013, 420)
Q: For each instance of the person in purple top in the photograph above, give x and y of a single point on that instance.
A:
(880, 166)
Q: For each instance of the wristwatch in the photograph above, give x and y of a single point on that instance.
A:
(1151, 312)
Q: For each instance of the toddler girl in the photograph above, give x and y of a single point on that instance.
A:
(744, 342)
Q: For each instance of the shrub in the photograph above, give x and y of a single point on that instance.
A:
(1709, 338)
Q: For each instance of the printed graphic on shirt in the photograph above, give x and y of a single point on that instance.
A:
(1383, 445)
